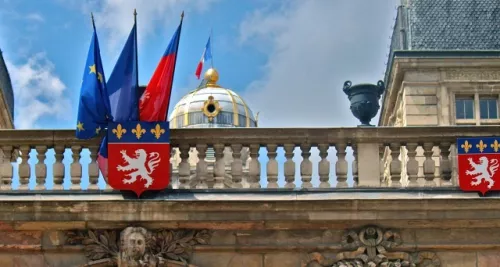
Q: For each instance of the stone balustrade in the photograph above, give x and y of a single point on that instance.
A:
(258, 157)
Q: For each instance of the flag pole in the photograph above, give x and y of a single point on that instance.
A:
(175, 60)
(93, 22)
(136, 52)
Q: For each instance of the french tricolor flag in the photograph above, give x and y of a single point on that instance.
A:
(207, 55)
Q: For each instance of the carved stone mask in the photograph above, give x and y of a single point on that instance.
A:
(136, 245)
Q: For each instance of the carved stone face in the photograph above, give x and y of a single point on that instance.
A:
(136, 245)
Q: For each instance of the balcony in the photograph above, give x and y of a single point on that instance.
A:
(290, 158)
(284, 197)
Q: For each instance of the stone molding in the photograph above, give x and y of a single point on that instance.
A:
(138, 246)
(372, 246)
(458, 74)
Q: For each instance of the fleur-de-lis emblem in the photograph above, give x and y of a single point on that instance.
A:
(495, 146)
(481, 146)
(138, 131)
(466, 146)
(157, 131)
(119, 131)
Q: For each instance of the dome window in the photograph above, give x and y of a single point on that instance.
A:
(211, 108)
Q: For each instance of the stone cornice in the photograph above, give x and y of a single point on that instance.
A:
(293, 210)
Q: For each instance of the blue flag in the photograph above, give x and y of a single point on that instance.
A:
(93, 107)
(123, 84)
(123, 92)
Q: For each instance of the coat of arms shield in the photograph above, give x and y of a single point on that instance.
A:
(478, 163)
(138, 156)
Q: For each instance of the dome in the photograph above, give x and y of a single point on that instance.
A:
(211, 105)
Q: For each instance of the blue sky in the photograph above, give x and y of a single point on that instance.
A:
(287, 58)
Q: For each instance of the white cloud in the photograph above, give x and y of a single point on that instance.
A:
(313, 47)
(115, 17)
(38, 92)
(35, 17)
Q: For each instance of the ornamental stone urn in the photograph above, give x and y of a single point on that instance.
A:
(364, 99)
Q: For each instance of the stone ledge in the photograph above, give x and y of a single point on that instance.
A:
(246, 194)
(264, 210)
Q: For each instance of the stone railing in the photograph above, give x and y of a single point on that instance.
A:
(262, 157)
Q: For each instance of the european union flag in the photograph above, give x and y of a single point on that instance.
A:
(93, 108)
(123, 83)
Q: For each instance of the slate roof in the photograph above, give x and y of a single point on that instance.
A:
(454, 24)
(444, 25)
(6, 86)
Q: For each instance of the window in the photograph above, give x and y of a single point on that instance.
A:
(488, 108)
(464, 108)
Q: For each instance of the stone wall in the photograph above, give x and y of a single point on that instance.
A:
(274, 248)
(422, 93)
(276, 229)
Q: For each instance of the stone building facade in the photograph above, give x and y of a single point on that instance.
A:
(443, 70)
(433, 96)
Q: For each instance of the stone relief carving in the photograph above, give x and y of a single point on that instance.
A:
(473, 75)
(138, 247)
(373, 247)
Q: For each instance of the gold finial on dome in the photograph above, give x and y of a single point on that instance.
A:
(212, 76)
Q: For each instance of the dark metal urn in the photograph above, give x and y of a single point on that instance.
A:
(364, 99)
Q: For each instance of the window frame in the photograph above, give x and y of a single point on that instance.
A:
(465, 97)
(477, 91)
(488, 97)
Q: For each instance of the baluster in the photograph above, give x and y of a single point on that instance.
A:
(172, 155)
(324, 166)
(383, 182)
(7, 169)
(289, 166)
(429, 164)
(254, 166)
(306, 166)
(341, 165)
(184, 167)
(58, 167)
(355, 165)
(236, 166)
(445, 164)
(220, 166)
(40, 167)
(93, 168)
(272, 166)
(201, 166)
(24, 168)
(412, 164)
(76, 167)
(395, 166)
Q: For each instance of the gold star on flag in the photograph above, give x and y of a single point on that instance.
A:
(79, 126)
(98, 129)
(99, 77)
(92, 69)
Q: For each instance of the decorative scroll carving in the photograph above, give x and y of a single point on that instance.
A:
(472, 75)
(138, 247)
(373, 247)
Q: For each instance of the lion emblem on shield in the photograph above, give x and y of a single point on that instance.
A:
(142, 166)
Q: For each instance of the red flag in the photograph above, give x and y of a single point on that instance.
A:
(154, 102)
